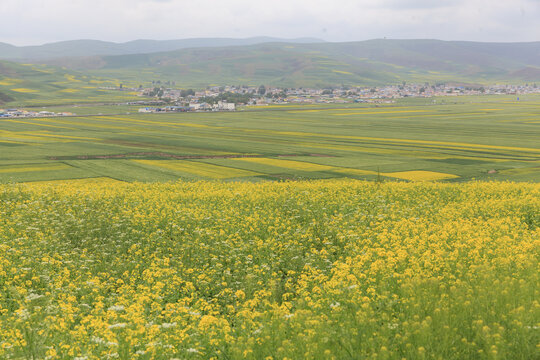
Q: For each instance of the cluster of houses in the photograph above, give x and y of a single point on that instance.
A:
(11, 113)
(202, 106)
(260, 95)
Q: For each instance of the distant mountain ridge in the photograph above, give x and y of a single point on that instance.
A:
(371, 62)
(302, 64)
(76, 48)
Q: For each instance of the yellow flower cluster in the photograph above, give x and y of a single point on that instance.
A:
(318, 270)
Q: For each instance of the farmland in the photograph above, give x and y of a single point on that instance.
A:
(276, 232)
(324, 269)
(444, 139)
(41, 85)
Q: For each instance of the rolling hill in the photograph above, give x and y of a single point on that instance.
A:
(32, 84)
(373, 62)
(96, 47)
(365, 63)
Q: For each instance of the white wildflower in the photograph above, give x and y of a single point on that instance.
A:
(117, 326)
(33, 296)
(168, 325)
(116, 308)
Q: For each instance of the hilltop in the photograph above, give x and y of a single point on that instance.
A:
(368, 63)
(96, 47)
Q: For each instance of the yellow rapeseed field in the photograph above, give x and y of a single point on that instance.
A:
(29, 168)
(318, 270)
(287, 164)
(414, 175)
(420, 175)
(199, 168)
(24, 90)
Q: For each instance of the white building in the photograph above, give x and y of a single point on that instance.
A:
(226, 106)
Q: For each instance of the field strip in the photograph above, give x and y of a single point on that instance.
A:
(25, 90)
(521, 119)
(67, 137)
(288, 164)
(452, 115)
(34, 168)
(13, 142)
(520, 171)
(428, 151)
(380, 112)
(38, 124)
(86, 124)
(414, 175)
(198, 168)
(420, 175)
(448, 144)
(25, 136)
(82, 181)
(359, 109)
(163, 123)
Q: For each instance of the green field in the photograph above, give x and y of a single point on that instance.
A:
(41, 85)
(447, 139)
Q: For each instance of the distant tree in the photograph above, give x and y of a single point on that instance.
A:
(228, 97)
(327, 92)
(262, 90)
(188, 92)
(156, 92)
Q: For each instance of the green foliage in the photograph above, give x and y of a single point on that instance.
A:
(227, 97)
(5, 98)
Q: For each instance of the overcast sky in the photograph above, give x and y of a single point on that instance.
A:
(32, 22)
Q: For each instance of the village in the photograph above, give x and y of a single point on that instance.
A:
(13, 113)
(227, 98)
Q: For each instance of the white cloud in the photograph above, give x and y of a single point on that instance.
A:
(38, 21)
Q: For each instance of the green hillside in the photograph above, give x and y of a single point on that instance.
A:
(96, 47)
(367, 63)
(29, 84)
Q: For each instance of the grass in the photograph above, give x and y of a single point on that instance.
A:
(40, 85)
(326, 269)
(199, 169)
(456, 141)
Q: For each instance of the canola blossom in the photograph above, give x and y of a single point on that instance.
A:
(340, 269)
